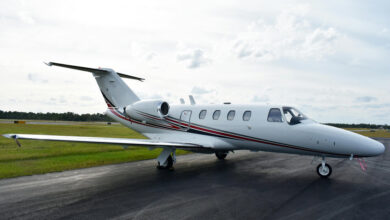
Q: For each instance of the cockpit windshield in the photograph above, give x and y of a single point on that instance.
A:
(293, 116)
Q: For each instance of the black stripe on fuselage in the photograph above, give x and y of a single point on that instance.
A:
(107, 100)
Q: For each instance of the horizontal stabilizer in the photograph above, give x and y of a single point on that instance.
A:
(92, 70)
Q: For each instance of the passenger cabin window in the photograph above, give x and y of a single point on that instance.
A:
(274, 115)
(202, 114)
(216, 114)
(231, 114)
(247, 115)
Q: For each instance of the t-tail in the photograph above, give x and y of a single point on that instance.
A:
(114, 90)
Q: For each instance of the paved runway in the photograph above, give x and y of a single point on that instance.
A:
(245, 186)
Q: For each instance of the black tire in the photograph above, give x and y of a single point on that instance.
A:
(170, 162)
(221, 155)
(324, 173)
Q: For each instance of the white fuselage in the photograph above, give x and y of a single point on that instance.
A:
(184, 124)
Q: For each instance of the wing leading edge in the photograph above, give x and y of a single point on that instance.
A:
(104, 140)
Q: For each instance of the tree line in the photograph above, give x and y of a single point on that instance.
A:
(368, 126)
(70, 116)
(67, 116)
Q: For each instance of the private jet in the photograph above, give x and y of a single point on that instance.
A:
(215, 129)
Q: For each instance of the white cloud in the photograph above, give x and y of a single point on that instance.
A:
(290, 35)
(365, 99)
(200, 91)
(25, 18)
(260, 99)
(36, 78)
(194, 58)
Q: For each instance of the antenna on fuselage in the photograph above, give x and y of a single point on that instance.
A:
(192, 100)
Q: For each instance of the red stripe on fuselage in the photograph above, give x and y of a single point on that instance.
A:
(252, 139)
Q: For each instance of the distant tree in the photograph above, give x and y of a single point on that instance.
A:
(368, 126)
(67, 116)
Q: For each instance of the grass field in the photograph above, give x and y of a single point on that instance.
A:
(371, 133)
(35, 157)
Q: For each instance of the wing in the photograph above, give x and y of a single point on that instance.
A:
(103, 140)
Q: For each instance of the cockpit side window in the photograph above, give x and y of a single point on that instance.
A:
(293, 116)
(274, 115)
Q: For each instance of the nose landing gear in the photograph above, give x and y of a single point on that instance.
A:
(323, 169)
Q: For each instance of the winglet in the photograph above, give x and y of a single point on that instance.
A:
(49, 63)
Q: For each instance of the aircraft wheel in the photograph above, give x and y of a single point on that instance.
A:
(170, 162)
(325, 171)
(221, 155)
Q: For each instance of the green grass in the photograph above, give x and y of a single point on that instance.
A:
(36, 157)
(375, 133)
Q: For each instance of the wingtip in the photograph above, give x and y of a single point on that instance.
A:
(49, 63)
(9, 135)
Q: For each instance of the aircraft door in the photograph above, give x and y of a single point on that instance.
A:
(186, 116)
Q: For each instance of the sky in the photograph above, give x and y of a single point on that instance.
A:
(330, 59)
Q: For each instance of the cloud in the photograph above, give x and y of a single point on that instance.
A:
(25, 18)
(86, 98)
(365, 99)
(194, 58)
(200, 91)
(290, 35)
(36, 78)
(260, 98)
(142, 51)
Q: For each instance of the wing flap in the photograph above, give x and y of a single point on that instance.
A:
(104, 140)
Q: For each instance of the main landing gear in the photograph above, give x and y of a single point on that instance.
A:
(323, 169)
(166, 159)
(221, 155)
(168, 165)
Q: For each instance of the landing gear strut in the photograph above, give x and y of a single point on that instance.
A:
(221, 155)
(323, 169)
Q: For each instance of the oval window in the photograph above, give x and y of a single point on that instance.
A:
(247, 115)
(216, 114)
(202, 114)
(231, 114)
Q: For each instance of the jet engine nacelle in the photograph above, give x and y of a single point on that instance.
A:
(147, 109)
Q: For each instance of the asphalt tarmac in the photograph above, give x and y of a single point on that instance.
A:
(246, 186)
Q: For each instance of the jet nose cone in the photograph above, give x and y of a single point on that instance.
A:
(380, 148)
(369, 147)
(376, 148)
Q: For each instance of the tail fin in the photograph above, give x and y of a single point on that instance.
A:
(115, 91)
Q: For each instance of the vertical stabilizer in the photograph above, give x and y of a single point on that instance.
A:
(115, 91)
